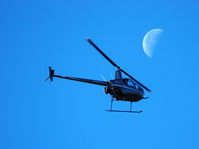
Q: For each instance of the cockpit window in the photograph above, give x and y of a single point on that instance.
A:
(133, 84)
(130, 82)
(125, 81)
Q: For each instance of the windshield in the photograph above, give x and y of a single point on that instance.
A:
(133, 84)
(130, 82)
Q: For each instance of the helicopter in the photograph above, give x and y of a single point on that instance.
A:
(120, 89)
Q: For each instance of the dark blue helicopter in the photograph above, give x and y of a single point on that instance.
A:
(121, 89)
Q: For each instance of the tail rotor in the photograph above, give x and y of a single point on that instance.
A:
(51, 74)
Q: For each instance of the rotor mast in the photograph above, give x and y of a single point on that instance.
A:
(118, 75)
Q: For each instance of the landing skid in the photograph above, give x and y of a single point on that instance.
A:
(124, 111)
(130, 111)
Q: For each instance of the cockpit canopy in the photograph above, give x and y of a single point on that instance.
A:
(132, 84)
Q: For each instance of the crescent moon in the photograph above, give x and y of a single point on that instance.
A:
(150, 40)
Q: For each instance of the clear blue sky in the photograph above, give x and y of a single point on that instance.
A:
(68, 114)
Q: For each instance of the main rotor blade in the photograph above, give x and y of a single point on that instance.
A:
(103, 54)
(114, 64)
(135, 80)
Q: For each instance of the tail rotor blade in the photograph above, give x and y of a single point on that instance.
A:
(50, 69)
(47, 78)
(51, 74)
(51, 78)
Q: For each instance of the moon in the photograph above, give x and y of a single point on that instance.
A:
(150, 40)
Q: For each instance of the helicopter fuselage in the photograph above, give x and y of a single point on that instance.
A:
(120, 90)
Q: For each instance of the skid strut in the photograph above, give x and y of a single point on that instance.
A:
(130, 111)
